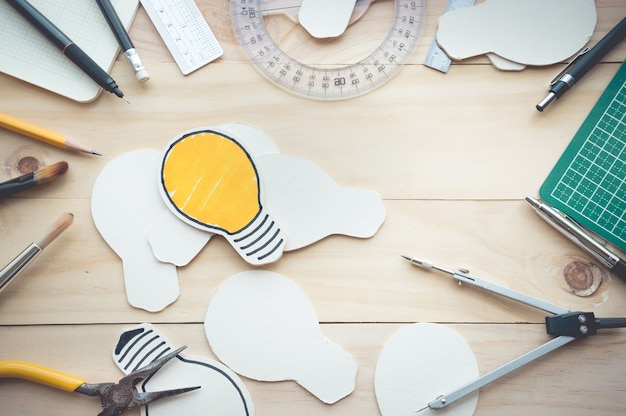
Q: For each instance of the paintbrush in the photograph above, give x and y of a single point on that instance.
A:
(8, 274)
(29, 180)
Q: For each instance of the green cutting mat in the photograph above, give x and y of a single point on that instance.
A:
(588, 183)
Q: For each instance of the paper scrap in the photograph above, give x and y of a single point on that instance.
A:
(530, 32)
(325, 18)
(125, 203)
(261, 325)
(298, 189)
(420, 363)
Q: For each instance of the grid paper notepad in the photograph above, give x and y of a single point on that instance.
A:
(28, 55)
(588, 183)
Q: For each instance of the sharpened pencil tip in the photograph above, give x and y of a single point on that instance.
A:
(93, 152)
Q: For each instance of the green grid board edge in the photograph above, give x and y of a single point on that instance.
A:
(588, 183)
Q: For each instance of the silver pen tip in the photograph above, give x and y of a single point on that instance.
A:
(546, 101)
(532, 201)
(418, 262)
(425, 264)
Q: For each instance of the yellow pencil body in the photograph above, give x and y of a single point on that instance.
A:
(32, 130)
(42, 134)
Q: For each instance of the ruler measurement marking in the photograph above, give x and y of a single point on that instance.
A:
(185, 32)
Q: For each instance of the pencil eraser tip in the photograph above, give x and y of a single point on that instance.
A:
(142, 75)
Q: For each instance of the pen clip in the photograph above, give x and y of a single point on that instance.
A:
(569, 64)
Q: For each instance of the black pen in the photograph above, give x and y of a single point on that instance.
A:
(582, 64)
(124, 40)
(575, 233)
(69, 48)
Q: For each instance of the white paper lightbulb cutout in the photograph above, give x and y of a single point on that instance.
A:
(261, 325)
(124, 216)
(420, 363)
(210, 181)
(222, 392)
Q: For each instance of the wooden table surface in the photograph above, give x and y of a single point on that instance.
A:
(452, 155)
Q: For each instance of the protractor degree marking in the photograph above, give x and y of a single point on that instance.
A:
(328, 83)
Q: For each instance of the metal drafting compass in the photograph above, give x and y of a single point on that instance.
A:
(566, 325)
(332, 83)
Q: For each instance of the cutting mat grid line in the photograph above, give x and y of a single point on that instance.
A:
(590, 183)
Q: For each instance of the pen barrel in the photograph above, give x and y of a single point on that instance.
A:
(115, 24)
(90, 67)
(589, 59)
(577, 235)
(41, 22)
(11, 270)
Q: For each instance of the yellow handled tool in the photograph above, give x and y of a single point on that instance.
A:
(39, 374)
(115, 397)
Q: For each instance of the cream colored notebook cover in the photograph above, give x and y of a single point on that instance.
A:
(28, 55)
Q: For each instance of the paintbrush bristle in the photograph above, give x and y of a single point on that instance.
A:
(47, 173)
(56, 230)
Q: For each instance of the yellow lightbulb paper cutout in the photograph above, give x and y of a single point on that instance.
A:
(210, 181)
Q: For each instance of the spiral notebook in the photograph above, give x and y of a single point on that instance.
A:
(588, 183)
(28, 55)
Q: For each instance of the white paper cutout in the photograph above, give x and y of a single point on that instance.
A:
(170, 250)
(308, 192)
(529, 32)
(295, 189)
(125, 203)
(222, 392)
(325, 18)
(262, 326)
(302, 196)
(420, 363)
(504, 64)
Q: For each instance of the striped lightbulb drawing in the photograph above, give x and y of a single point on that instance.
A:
(211, 182)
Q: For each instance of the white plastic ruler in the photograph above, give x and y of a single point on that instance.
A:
(437, 58)
(186, 34)
(327, 83)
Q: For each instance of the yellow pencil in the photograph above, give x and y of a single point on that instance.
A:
(42, 134)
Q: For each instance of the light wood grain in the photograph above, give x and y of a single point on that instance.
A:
(452, 156)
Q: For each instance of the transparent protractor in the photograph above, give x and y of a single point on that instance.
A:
(328, 83)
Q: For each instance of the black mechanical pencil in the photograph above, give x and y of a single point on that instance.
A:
(65, 44)
(123, 39)
(566, 79)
